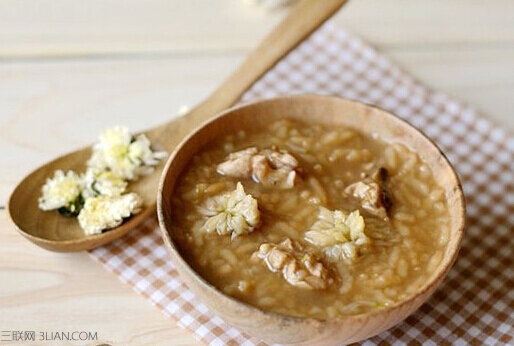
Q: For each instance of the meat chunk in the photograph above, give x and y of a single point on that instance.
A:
(373, 193)
(297, 267)
(281, 159)
(238, 164)
(270, 167)
(367, 192)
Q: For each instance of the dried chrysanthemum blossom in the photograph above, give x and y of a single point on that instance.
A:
(106, 212)
(233, 213)
(338, 234)
(62, 192)
(128, 157)
(97, 197)
(102, 183)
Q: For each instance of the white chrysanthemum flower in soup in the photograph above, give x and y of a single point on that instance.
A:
(61, 191)
(128, 157)
(233, 213)
(338, 234)
(106, 212)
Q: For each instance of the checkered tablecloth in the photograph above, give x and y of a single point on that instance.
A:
(475, 304)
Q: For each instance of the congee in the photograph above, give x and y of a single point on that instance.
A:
(310, 220)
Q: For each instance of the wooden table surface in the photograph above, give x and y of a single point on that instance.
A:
(69, 69)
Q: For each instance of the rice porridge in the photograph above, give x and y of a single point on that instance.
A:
(308, 220)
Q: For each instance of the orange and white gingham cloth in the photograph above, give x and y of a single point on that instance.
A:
(475, 304)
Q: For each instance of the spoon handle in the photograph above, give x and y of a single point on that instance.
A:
(301, 21)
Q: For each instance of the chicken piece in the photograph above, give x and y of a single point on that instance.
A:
(367, 192)
(373, 193)
(270, 167)
(268, 175)
(238, 164)
(297, 267)
(281, 159)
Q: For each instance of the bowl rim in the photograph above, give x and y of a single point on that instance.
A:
(432, 283)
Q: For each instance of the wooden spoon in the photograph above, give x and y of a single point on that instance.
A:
(58, 233)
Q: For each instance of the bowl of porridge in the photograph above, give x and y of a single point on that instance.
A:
(311, 219)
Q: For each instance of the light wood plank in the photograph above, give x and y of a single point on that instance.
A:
(49, 292)
(52, 107)
(418, 23)
(63, 28)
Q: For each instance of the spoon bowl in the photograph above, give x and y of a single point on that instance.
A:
(55, 232)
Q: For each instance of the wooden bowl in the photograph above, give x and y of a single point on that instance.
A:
(273, 327)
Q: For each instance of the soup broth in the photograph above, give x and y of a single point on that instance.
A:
(311, 221)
